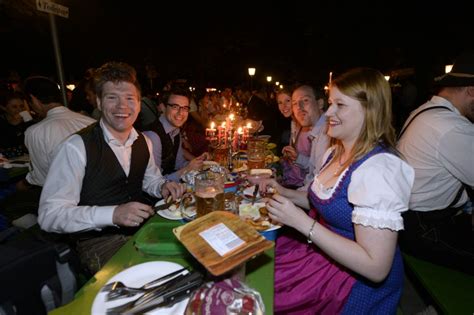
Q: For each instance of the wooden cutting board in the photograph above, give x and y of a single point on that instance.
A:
(216, 264)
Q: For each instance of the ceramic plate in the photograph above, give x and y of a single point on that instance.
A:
(257, 205)
(137, 276)
(168, 214)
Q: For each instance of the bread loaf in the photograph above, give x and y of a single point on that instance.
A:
(261, 171)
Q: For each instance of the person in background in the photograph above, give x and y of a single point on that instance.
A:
(166, 135)
(438, 141)
(149, 112)
(308, 141)
(194, 133)
(94, 189)
(12, 124)
(83, 96)
(343, 255)
(288, 123)
(57, 123)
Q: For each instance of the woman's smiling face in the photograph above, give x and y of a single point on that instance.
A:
(346, 117)
(284, 104)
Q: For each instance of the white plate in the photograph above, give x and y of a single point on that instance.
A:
(136, 276)
(259, 205)
(167, 214)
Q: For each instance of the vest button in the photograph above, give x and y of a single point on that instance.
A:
(126, 181)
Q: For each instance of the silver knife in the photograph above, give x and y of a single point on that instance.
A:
(254, 195)
(164, 206)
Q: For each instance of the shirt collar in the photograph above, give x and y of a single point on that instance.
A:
(56, 110)
(320, 124)
(110, 139)
(440, 101)
(169, 128)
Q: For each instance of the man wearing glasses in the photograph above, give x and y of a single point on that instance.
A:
(166, 136)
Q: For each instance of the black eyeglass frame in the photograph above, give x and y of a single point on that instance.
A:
(177, 107)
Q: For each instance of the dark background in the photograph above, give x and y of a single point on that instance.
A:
(213, 44)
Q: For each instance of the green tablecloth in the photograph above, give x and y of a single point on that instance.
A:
(259, 274)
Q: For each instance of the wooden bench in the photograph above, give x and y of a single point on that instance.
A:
(451, 291)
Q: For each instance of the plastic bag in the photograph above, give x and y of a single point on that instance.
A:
(229, 296)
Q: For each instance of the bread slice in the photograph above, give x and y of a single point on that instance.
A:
(261, 171)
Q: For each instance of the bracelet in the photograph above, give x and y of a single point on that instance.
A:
(310, 233)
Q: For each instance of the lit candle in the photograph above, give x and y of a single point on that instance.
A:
(245, 136)
(221, 133)
(211, 132)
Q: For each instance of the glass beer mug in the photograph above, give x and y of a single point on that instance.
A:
(209, 192)
(256, 153)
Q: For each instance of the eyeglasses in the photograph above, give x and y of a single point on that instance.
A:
(177, 107)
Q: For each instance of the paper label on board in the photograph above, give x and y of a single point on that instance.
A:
(221, 239)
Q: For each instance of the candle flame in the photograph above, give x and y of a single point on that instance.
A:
(213, 125)
(240, 131)
(249, 125)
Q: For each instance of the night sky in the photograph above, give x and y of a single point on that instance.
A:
(214, 44)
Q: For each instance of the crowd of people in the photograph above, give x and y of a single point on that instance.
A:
(351, 189)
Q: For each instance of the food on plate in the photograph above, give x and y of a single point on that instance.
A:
(255, 215)
(208, 164)
(186, 201)
(271, 159)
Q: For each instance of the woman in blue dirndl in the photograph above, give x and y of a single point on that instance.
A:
(342, 257)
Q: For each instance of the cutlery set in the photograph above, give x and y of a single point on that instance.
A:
(162, 292)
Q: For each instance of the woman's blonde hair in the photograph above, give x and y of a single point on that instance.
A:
(372, 90)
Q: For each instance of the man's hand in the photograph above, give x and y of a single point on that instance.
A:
(290, 153)
(131, 214)
(174, 189)
(196, 163)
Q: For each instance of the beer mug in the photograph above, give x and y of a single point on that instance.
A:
(209, 192)
(256, 153)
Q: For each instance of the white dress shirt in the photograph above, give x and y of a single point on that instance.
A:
(439, 145)
(379, 190)
(43, 138)
(59, 211)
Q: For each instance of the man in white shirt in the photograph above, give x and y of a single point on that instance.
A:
(57, 124)
(438, 142)
(95, 185)
(41, 140)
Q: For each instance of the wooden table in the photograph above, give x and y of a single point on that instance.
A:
(259, 274)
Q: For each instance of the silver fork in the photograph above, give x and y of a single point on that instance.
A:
(166, 296)
(125, 293)
(118, 285)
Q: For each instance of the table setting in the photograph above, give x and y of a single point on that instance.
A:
(208, 232)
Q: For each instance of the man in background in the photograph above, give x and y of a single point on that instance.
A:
(438, 142)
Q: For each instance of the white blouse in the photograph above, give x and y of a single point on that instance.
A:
(379, 190)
